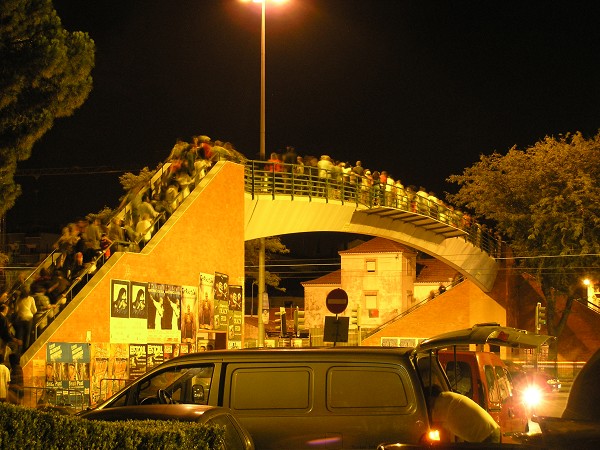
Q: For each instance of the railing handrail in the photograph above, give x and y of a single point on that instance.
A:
(411, 309)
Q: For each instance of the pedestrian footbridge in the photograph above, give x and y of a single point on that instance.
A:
(283, 203)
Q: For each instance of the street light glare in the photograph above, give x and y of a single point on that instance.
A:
(260, 1)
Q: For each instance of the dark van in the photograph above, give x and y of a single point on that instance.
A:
(344, 397)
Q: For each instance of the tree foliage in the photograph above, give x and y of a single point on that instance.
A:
(273, 246)
(131, 181)
(545, 201)
(45, 73)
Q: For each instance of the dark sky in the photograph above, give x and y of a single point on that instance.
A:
(417, 88)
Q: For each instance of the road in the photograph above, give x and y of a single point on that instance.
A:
(552, 405)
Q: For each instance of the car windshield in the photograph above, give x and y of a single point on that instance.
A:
(187, 384)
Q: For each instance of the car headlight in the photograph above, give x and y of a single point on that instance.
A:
(532, 396)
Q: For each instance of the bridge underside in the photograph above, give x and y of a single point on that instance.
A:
(267, 216)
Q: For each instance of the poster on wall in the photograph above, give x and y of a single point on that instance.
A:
(155, 356)
(185, 349)
(138, 356)
(221, 306)
(206, 300)
(189, 313)
(118, 366)
(101, 388)
(205, 345)
(119, 305)
(128, 311)
(164, 306)
(68, 372)
(138, 314)
(119, 310)
(234, 317)
(170, 351)
(173, 311)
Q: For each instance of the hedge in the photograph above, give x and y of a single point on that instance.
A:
(34, 429)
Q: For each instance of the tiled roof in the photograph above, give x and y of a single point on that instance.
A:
(333, 278)
(378, 245)
(434, 271)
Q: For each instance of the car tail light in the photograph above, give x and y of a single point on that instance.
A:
(432, 436)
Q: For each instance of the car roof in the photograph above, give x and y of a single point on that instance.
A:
(486, 333)
(295, 354)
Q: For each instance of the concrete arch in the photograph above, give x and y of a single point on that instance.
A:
(271, 215)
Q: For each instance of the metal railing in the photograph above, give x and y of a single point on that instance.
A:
(417, 305)
(330, 186)
(69, 399)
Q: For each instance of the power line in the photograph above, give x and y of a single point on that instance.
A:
(62, 171)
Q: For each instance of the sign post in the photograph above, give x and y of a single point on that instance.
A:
(336, 329)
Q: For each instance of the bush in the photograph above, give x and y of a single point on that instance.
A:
(44, 430)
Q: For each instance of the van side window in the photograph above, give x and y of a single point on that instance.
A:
(271, 388)
(365, 387)
(493, 392)
(460, 377)
(503, 382)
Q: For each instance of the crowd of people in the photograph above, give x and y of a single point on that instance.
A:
(31, 304)
(287, 173)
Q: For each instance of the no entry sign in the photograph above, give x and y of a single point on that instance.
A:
(337, 301)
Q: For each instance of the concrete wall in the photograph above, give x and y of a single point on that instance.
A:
(460, 307)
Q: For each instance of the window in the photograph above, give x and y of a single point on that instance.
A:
(493, 391)
(365, 388)
(460, 378)
(370, 301)
(371, 265)
(271, 388)
(503, 382)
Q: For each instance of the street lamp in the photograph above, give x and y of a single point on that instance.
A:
(261, 253)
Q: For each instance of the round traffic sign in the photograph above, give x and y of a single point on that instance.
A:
(337, 301)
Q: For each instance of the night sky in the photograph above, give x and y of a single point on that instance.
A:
(417, 88)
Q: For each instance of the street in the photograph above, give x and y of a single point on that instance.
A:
(552, 405)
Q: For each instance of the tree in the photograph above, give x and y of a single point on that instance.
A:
(545, 201)
(45, 73)
(273, 245)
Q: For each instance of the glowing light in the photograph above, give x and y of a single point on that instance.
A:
(260, 1)
(434, 435)
(532, 396)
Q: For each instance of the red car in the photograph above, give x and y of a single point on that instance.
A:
(525, 378)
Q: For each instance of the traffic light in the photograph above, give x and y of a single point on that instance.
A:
(540, 316)
(298, 321)
(355, 317)
(281, 325)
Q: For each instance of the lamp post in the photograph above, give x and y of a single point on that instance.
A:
(261, 252)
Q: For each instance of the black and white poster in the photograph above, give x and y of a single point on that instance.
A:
(119, 305)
